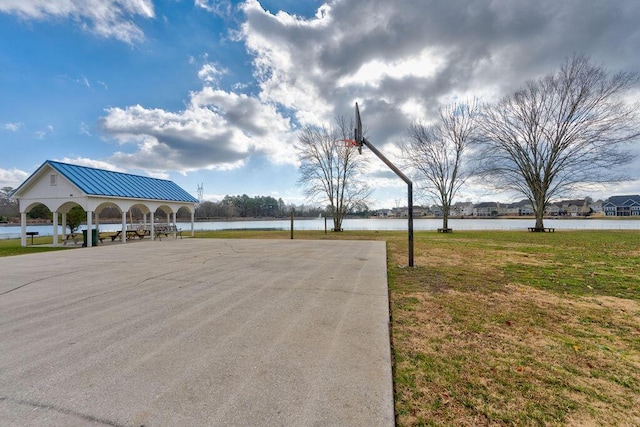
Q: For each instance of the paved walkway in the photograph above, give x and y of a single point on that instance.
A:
(197, 332)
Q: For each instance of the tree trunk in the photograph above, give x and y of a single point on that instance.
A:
(337, 222)
(445, 221)
(539, 211)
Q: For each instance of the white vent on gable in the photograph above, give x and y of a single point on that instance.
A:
(53, 179)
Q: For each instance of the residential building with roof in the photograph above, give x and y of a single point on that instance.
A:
(485, 209)
(577, 207)
(462, 209)
(622, 206)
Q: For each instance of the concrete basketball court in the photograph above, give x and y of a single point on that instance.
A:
(197, 332)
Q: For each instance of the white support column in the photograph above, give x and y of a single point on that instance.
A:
(144, 221)
(64, 226)
(123, 236)
(175, 227)
(193, 233)
(23, 229)
(152, 230)
(55, 229)
(89, 228)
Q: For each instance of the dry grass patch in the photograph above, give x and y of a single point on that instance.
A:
(476, 344)
(519, 356)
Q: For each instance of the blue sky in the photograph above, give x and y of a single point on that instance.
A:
(214, 92)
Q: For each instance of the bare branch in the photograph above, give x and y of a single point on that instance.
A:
(331, 170)
(436, 152)
(560, 132)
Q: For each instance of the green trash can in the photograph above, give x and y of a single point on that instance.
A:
(94, 238)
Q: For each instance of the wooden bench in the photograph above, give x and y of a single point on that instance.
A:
(445, 230)
(542, 230)
(167, 230)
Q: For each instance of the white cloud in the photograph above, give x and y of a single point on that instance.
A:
(400, 60)
(218, 130)
(222, 8)
(13, 127)
(423, 65)
(209, 73)
(84, 81)
(42, 134)
(83, 129)
(12, 177)
(105, 18)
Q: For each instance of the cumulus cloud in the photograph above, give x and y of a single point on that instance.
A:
(402, 60)
(399, 60)
(12, 177)
(210, 74)
(389, 55)
(105, 18)
(218, 130)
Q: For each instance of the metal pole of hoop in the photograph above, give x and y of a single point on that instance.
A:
(402, 176)
(360, 141)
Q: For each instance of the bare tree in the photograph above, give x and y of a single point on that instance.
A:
(330, 169)
(436, 152)
(560, 132)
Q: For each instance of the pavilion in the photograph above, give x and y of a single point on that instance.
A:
(61, 186)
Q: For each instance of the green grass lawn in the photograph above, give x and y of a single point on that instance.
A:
(11, 247)
(507, 328)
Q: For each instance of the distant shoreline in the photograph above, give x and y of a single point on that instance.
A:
(238, 219)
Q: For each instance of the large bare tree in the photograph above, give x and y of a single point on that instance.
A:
(436, 153)
(331, 169)
(565, 130)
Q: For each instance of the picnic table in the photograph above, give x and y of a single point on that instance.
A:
(131, 234)
(71, 237)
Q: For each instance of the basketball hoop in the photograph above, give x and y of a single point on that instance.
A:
(348, 142)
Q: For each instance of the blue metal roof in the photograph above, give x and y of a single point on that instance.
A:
(100, 182)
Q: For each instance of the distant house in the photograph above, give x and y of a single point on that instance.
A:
(485, 209)
(596, 206)
(403, 212)
(523, 207)
(462, 209)
(419, 211)
(552, 209)
(622, 206)
(512, 210)
(436, 210)
(577, 207)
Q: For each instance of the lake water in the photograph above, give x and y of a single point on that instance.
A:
(12, 232)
